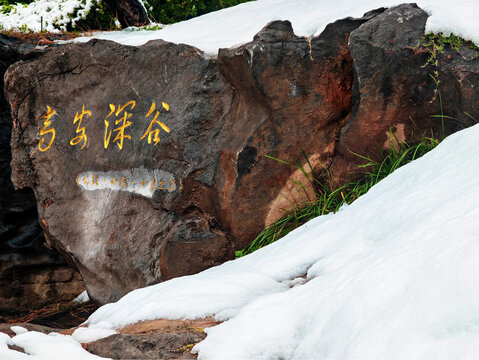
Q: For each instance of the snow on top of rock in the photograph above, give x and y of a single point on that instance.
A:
(238, 25)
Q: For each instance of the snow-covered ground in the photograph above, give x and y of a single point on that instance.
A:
(393, 275)
(237, 25)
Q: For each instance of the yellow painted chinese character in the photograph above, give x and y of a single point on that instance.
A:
(122, 121)
(123, 182)
(156, 132)
(94, 179)
(152, 185)
(80, 130)
(172, 184)
(160, 186)
(45, 130)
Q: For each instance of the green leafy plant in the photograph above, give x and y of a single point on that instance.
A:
(330, 199)
(171, 11)
(153, 27)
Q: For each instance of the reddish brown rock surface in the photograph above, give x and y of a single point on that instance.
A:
(156, 339)
(394, 90)
(212, 187)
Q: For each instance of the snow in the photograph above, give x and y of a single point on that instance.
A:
(39, 346)
(93, 333)
(82, 298)
(18, 329)
(237, 25)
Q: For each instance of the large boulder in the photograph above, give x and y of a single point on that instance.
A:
(149, 162)
(395, 88)
(128, 212)
(31, 275)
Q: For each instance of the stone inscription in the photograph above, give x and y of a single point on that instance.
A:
(116, 126)
(140, 181)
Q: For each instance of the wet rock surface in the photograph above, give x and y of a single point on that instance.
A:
(150, 162)
(31, 275)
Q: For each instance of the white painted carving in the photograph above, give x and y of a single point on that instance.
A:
(140, 181)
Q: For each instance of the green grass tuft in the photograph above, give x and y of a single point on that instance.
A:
(330, 199)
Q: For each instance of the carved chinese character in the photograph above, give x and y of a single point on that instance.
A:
(45, 130)
(156, 132)
(122, 123)
(94, 179)
(123, 182)
(160, 184)
(80, 129)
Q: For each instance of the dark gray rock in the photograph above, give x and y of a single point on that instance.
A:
(115, 238)
(28, 269)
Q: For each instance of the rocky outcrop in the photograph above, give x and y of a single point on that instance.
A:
(395, 89)
(150, 162)
(31, 275)
(157, 339)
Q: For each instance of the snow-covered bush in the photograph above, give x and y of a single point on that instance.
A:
(55, 15)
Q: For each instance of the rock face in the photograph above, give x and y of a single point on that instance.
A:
(157, 339)
(149, 162)
(31, 276)
(394, 89)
